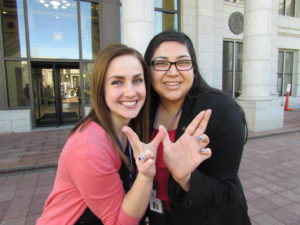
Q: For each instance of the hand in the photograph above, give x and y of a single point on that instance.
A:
(187, 153)
(149, 151)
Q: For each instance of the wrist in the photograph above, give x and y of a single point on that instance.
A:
(144, 178)
(184, 182)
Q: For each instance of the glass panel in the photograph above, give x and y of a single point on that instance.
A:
(281, 7)
(288, 71)
(166, 4)
(289, 7)
(44, 95)
(230, 0)
(227, 67)
(89, 29)
(165, 21)
(280, 72)
(70, 94)
(17, 83)
(53, 29)
(87, 75)
(13, 28)
(238, 68)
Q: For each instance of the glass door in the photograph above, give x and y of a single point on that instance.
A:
(57, 93)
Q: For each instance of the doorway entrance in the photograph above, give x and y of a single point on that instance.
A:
(57, 93)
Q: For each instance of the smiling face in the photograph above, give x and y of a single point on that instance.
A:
(172, 85)
(124, 88)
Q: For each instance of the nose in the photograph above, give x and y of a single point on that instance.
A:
(129, 90)
(173, 70)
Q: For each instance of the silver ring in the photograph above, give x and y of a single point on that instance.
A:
(199, 138)
(142, 158)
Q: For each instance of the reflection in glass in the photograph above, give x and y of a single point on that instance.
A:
(17, 83)
(227, 67)
(288, 71)
(89, 29)
(87, 76)
(280, 72)
(166, 4)
(238, 68)
(13, 28)
(53, 29)
(165, 21)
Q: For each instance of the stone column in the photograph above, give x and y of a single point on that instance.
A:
(138, 23)
(263, 112)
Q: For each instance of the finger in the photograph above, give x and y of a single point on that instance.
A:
(145, 155)
(132, 137)
(203, 124)
(162, 132)
(166, 139)
(191, 128)
(206, 152)
(202, 138)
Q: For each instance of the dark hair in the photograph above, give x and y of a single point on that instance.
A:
(99, 111)
(199, 84)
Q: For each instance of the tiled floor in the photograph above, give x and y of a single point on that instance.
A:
(270, 174)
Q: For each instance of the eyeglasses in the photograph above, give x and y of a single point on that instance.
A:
(164, 65)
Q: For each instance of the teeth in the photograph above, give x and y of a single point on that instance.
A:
(128, 103)
(172, 83)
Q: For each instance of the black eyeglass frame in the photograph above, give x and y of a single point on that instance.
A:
(171, 63)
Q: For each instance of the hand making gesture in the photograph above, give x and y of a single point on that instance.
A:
(144, 154)
(186, 154)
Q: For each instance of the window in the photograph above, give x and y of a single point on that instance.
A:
(53, 29)
(89, 18)
(13, 29)
(166, 15)
(17, 83)
(236, 1)
(232, 68)
(286, 7)
(285, 72)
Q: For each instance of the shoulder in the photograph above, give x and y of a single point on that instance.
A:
(91, 145)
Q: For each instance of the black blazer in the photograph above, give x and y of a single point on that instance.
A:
(216, 196)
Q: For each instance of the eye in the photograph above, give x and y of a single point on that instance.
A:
(160, 63)
(138, 81)
(184, 62)
(116, 82)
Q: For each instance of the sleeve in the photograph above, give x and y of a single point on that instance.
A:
(95, 174)
(214, 181)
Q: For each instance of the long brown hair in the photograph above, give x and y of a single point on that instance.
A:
(99, 111)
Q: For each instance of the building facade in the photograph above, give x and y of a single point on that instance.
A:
(249, 49)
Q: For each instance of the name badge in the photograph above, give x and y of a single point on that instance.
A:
(155, 203)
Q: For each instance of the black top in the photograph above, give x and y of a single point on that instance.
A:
(216, 196)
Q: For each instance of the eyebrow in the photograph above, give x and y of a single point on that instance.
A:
(166, 58)
(122, 77)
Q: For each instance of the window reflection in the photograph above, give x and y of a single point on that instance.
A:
(53, 29)
(87, 75)
(165, 21)
(89, 30)
(13, 28)
(17, 83)
(166, 4)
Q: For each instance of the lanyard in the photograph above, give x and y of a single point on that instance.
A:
(130, 159)
(179, 110)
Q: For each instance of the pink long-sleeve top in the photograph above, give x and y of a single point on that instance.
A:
(87, 176)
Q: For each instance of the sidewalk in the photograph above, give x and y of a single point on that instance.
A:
(270, 173)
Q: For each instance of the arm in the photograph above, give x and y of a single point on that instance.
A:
(96, 176)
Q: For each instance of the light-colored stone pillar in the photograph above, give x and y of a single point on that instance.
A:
(138, 23)
(263, 112)
(209, 43)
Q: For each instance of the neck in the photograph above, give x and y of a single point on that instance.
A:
(118, 125)
(166, 114)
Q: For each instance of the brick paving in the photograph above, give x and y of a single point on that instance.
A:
(269, 171)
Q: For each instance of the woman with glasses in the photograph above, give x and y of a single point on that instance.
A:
(186, 190)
